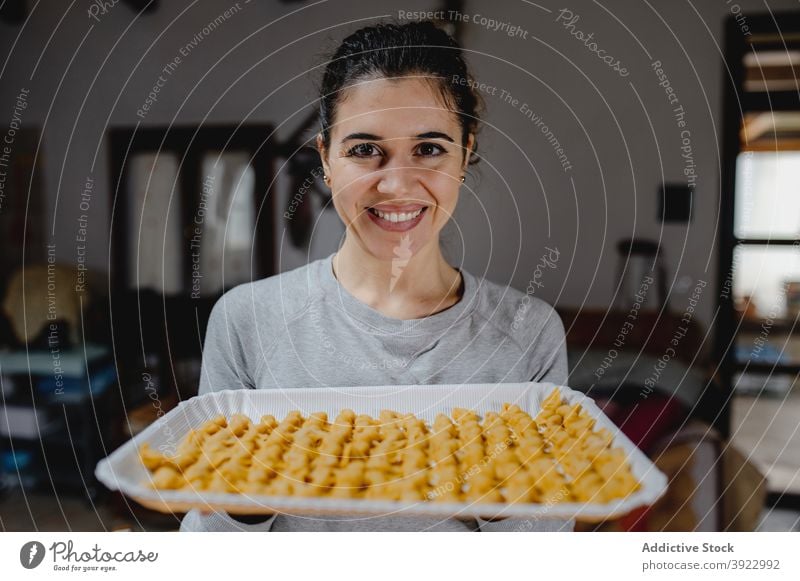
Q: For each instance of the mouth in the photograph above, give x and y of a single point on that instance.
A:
(397, 219)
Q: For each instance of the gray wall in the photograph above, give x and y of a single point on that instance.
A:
(618, 133)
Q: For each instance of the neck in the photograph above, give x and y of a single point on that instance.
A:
(401, 288)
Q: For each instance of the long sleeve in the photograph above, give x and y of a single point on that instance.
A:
(549, 351)
(224, 363)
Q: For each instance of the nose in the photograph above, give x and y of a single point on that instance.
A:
(397, 181)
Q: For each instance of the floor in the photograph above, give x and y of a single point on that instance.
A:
(767, 429)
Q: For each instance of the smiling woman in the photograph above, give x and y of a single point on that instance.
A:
(397, 133)
(396, 137)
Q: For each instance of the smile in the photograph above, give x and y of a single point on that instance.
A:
(397, 220)
(397, 216)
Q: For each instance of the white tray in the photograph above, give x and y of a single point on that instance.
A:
(123, 470)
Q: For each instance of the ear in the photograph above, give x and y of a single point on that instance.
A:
(468, 150)
(323, 154)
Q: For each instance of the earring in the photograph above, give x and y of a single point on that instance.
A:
(326, 179)
(463, 179)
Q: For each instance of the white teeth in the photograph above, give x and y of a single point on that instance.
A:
(398, 217)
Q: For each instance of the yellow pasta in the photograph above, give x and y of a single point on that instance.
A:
(507, 456)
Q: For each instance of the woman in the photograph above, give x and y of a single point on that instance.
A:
(398, 122)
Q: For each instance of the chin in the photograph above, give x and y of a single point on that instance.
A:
(399, 247)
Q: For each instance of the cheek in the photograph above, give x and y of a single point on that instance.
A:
(348, 196)
(446, 191)
(352, 182)
(345, 207)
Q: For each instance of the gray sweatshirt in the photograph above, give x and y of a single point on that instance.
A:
(303, 329)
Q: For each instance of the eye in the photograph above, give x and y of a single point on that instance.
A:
(429, 149)
(364, 150)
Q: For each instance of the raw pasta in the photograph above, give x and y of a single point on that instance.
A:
(506, 456)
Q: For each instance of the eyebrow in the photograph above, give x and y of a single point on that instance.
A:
(427, 135)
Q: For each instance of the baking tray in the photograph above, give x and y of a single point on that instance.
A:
(123, 470)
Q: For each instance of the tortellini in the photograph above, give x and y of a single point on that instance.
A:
(505, 457)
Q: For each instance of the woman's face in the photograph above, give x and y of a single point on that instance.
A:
(395, 165)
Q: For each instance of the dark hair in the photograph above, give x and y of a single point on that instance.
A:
(397, 50)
